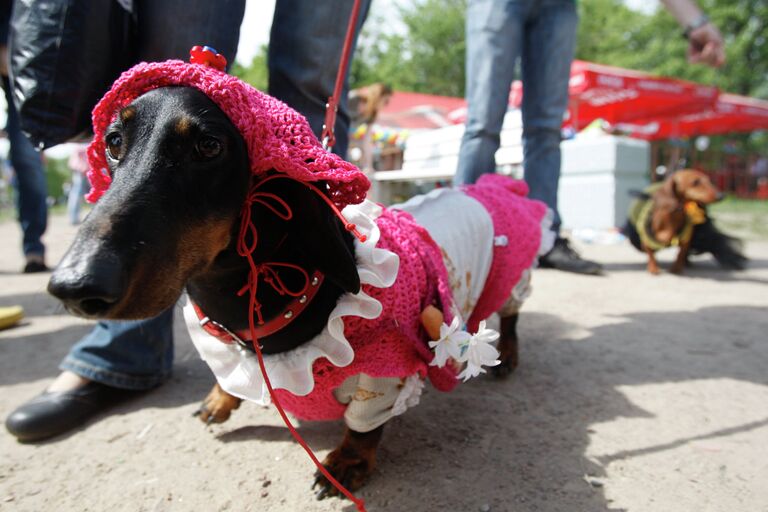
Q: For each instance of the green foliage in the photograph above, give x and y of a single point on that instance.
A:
(256, 73)
(428, 58)
(610, 33)
(428, 55)
(57, 173)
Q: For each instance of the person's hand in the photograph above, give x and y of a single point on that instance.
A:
(706, 46)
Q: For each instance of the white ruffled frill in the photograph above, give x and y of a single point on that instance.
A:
(238, 371)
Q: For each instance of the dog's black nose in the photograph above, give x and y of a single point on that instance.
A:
(89, 294)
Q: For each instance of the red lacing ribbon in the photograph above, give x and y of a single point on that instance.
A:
(245, 249)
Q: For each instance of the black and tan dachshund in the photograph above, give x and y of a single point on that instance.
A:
(170, 221)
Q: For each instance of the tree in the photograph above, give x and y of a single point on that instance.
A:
(428, 58)
(612, 34)
(256, 73)
(428, 54)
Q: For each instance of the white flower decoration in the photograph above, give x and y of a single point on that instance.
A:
(480, 352)
(450, 343)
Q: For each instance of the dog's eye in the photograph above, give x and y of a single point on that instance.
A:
(114, 144)
(208, 147)
(696, 182)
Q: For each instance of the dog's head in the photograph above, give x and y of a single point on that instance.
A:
(691, 185)
(179, 176)
(179, 172)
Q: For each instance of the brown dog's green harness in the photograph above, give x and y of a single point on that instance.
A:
(640, 215)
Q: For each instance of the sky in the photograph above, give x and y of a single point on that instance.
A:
(646, 6)
(254, 31)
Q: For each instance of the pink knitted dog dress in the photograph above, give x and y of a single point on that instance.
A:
(394, 344)
(518, 219)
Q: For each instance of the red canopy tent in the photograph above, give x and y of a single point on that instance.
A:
(621, 95)
(731, 113)
(415, 111)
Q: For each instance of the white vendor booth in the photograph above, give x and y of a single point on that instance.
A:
(596, 177)
(597, 171)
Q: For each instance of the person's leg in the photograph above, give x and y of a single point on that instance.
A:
(548, 47)
(169, 28)
(75, 197)
(304, 52)
(550, 39)
(32, 190)
(134, 355)
(494, 32)
(137, 355)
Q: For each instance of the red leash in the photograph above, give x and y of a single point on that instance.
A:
(246, 248)
(328, 137)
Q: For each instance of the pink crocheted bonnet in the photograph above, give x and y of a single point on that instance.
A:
(278, 138)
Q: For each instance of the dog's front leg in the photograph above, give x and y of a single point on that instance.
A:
(217, 406)
(351, 463)
(508, 349)
(682, 257)
(653, 266)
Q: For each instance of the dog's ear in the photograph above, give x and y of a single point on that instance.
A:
(333, 249)
(329, 246)
(669, 187)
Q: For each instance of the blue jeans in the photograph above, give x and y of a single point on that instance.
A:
(305, 48)
(542, 34)
(75, 197)
(31, 185)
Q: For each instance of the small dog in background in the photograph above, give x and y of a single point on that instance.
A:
(673, 213)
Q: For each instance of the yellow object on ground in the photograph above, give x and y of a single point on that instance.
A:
(10, 316)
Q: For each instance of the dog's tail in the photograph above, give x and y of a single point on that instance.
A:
(643, 195)
(630, 231)
(727, 250)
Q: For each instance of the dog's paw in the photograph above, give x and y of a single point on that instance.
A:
(217, 406)
(677, 269)
(508, 355)
(503, 369)
(350, 470)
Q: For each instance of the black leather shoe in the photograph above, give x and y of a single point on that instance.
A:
(50, 414)
(33, 267)
(563, 257)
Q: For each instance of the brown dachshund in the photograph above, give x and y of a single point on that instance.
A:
(674, 214)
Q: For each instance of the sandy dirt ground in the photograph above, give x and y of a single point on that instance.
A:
(635, 393)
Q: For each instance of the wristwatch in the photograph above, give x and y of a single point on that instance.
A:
(696, 24)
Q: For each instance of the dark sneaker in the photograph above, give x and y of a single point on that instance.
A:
(563, 257)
